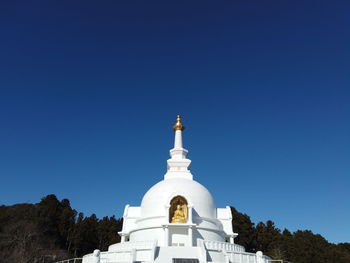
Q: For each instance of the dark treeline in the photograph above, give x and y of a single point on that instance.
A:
(51, 230)
(299, 247)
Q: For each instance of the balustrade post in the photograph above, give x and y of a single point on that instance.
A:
(166, 236)
(190, 236)
(231, 240)
(190, 220)
(167, 219)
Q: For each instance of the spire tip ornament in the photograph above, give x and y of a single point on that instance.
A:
(178, 125)
(178, 164)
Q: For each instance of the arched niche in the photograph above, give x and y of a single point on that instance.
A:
(178, 211)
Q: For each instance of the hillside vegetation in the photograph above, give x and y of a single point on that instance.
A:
(52, 230)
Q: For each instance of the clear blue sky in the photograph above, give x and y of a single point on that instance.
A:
(89, 91)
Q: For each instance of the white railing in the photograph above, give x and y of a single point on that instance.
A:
(233, 253)
(223, 246)
(242, 257)
(279, 261)
(128, 246)
(126, 252)
(72, 260)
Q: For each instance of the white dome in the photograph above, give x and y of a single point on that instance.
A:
(157, 199)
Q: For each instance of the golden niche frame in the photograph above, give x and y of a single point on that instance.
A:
(178, 211)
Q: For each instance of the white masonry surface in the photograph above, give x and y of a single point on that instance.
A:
(147, 235)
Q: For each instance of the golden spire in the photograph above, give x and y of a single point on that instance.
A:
(178, 125)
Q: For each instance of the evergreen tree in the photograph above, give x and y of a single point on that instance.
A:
(77, 236)
(27, 229)
(242, 225)
(48, 217)
(268, 239)
(66, 224)
(107, 231)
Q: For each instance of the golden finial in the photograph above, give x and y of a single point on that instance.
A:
(178, 126)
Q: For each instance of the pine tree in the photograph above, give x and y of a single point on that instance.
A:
(242, 225)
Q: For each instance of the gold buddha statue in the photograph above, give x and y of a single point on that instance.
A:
(180, 214)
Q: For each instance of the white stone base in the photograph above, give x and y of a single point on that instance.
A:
(149, 252)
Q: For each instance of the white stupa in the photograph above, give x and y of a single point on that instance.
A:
(177, 222)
